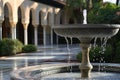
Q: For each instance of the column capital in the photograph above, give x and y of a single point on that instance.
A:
(13, 24)
(25, 25)
(1, 21)
(35, 25)
(44, 26)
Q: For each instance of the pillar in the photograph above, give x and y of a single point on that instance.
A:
(85, 66)
(13, 29)
(1, 29)
(51, 36)
(57, 40)
(36, 35)
(44, 35)
(25, 25)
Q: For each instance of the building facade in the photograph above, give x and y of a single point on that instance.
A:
(28, 21)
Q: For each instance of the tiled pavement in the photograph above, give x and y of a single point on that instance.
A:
(43, 55)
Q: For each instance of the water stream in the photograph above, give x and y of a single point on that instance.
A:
(1, 75)
(69, 52)
(103, 44)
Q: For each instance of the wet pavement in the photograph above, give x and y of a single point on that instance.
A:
(44, 54)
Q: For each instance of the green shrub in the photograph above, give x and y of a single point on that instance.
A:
(29, 48)
(95, 54)
(116, 58)
(10, 47)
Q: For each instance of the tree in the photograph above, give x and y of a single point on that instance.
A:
(73, 10)
(106, 13)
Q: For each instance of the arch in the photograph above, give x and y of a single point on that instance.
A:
(50, 18)
(32, 16)
(24, 12)
(6, 23)
(58, 17)
(21, 12)
(44, 17)
(8, 11)
(1, 10)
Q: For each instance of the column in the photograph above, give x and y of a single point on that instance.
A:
(25, 25)
(36, 35)
(51, 36)
(57, 40)
(1, 29)
(85, 66)
(44, 35)
(13, 29)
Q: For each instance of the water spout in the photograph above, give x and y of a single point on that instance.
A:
(85, 16)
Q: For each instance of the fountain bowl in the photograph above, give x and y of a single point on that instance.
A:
(86, 30)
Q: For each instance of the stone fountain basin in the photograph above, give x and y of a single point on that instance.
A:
(39, 71)
(86, 30)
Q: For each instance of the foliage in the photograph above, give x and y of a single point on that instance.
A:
(117, 55)
(10, 47)
(96, 55)
(106, 14)
(29, 48)
(74, 8)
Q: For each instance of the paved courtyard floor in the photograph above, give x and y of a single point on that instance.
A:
(43, 55)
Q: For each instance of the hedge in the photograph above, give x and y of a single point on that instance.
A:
(10, 47)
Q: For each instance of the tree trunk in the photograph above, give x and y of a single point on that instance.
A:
(117, 2)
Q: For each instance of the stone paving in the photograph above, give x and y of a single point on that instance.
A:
(44, 54)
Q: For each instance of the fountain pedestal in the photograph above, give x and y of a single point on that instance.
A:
(85, 66)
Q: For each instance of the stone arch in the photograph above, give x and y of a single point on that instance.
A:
(50, 16)
(8, 11)
(57, 15)
(33, 16)
(22, 12)
(44, 17)
(1, 11)
(8, 15)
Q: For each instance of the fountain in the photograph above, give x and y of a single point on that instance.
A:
(85, 33)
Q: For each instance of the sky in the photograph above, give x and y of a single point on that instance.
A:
(113, 1)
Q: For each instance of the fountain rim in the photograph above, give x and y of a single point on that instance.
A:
(16, 74)
(86, 26)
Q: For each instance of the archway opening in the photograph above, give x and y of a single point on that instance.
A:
(19, 27)
(40, 31)
(48, 29)
(30, 30)
(6, 30)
